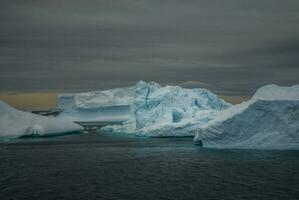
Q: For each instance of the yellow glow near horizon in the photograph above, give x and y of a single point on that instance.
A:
(30, 101)
(234, 99)
(44, 100)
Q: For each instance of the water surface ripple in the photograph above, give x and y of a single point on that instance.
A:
(105, 166)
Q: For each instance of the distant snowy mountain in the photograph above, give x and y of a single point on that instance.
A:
(169, 111)
(270, 120)
(15, 123)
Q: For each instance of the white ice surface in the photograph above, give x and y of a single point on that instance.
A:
(97, 99)
(15, 123)
(169, 111)
(97, 106)
(269, 120)
(97, 115)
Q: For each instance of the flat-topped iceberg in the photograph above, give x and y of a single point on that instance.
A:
(15, 123)
(169, 111)
(269, 120)
(113, 114)
(98, 106)
(97, 99)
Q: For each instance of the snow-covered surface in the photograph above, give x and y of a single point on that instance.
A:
(97, 99)
(269, 120)
(15, 123)
(275, 92)
(169, 111)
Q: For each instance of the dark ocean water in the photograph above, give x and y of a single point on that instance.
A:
(105, 166)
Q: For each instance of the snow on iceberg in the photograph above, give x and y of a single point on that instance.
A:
(98, 106)
(169, 111)
(15, 123)
(269, 120)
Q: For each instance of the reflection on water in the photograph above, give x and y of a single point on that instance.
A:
(109, 166)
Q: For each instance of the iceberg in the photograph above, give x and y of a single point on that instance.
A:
(269, 120)
(169, 111)
(97, 99)
(97, 106)
(66, 101)
(111, 114)
(15, 123)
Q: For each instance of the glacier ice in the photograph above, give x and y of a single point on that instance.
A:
(269, 120)
(116, 114)
(97, 106)
(97, 99)
(66, 101)
(169, 111)
(15, 123)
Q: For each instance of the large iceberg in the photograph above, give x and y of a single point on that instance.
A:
(169, 111)
(15, 123)
(98, 106)
(269, 120)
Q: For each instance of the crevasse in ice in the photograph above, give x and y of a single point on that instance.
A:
(169, 111)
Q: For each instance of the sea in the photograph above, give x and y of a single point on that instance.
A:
(99, 165)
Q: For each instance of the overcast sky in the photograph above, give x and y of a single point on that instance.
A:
(229, 46)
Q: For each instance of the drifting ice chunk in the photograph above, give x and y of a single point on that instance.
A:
(15, 123)
(270, 120)
(169, 111)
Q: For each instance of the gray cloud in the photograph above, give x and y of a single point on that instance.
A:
(232, 46)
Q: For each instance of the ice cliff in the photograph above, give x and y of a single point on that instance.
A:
(169, 111)
(97, 99)
(98, 106)
(15, 123)
(115, 114)
(269, 120)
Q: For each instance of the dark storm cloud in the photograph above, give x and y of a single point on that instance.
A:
(231, 47)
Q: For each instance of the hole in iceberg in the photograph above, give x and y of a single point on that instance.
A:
(176, 116)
